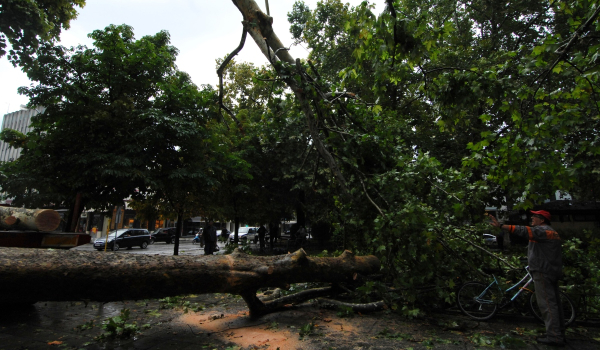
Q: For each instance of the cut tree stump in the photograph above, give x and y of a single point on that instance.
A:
(29, 219)
(31, 275)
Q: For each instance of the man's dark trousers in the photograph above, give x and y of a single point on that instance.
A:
(548, 300)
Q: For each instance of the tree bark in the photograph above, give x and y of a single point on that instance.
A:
(76, 213)
(30, 275)
(29, 219)
(178, 229)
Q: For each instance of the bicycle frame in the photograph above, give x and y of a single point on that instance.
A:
(527, 277)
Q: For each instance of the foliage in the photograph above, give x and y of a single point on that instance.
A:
(26, 24)
(582, 272)
(117, 327)
(262, 191)
(386, 333)
(92, 137)
(505, 341)
(85, 326)
(148, 209)
(307, 329)
(179, 302)
(126, 121)
(186, 156)
(14, 138)
(344, 311)
(453, 108)
(431, 111)
(153, 313)
(273, 325)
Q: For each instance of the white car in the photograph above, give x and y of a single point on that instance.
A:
(243, 234)
(489, 239)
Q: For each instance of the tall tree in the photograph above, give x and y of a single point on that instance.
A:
(87, 143)
(186, 156)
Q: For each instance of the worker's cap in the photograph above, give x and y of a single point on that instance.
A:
(542, 213)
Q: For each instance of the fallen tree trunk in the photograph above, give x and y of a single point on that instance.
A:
(29, 219)
(29, 275)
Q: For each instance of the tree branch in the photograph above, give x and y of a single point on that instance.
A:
(563, 51)
(220, 73)
(259, 26)
(480, 247)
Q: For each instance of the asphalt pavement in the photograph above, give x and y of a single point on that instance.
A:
(186, 247)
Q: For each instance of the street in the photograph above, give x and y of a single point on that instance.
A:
(186, 247)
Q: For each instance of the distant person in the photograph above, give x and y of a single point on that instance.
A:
(196, 239)
(262, 231)
(225, 235)
(301, 235)
(293, 230)
(544, 255)
(210, 238)
(273, 233)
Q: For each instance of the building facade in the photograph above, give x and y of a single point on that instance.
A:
(19, 121)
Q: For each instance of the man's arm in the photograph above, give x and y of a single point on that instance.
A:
(524, 231)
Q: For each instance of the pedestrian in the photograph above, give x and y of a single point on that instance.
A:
(544, 255)
(210, 238)
(262, 231)
(273, 232)
(196, 239)
(301, 235)
(225, 235)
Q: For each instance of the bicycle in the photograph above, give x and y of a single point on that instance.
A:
(481, 302)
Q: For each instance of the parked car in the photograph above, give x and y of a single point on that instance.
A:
(244, 233)
(253, 235)
(164, 234)
(125, 237)
(489, 239)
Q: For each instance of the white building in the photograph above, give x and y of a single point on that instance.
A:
(19, 121)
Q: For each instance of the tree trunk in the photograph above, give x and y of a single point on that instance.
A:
(75, 213)
(178, 232)
(236, 229)
(300, 213)
(29, 219)
(152, 223)
(29, 275)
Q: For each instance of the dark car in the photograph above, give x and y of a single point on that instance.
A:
(125, 237)
(164, 234)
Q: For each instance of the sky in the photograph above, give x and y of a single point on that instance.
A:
(202, 30)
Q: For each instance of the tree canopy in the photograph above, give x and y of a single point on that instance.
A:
(119, 122)
(87, 140)
(25, 24)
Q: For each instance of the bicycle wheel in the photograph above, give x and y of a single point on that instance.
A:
(567, 306)
(477, 302)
